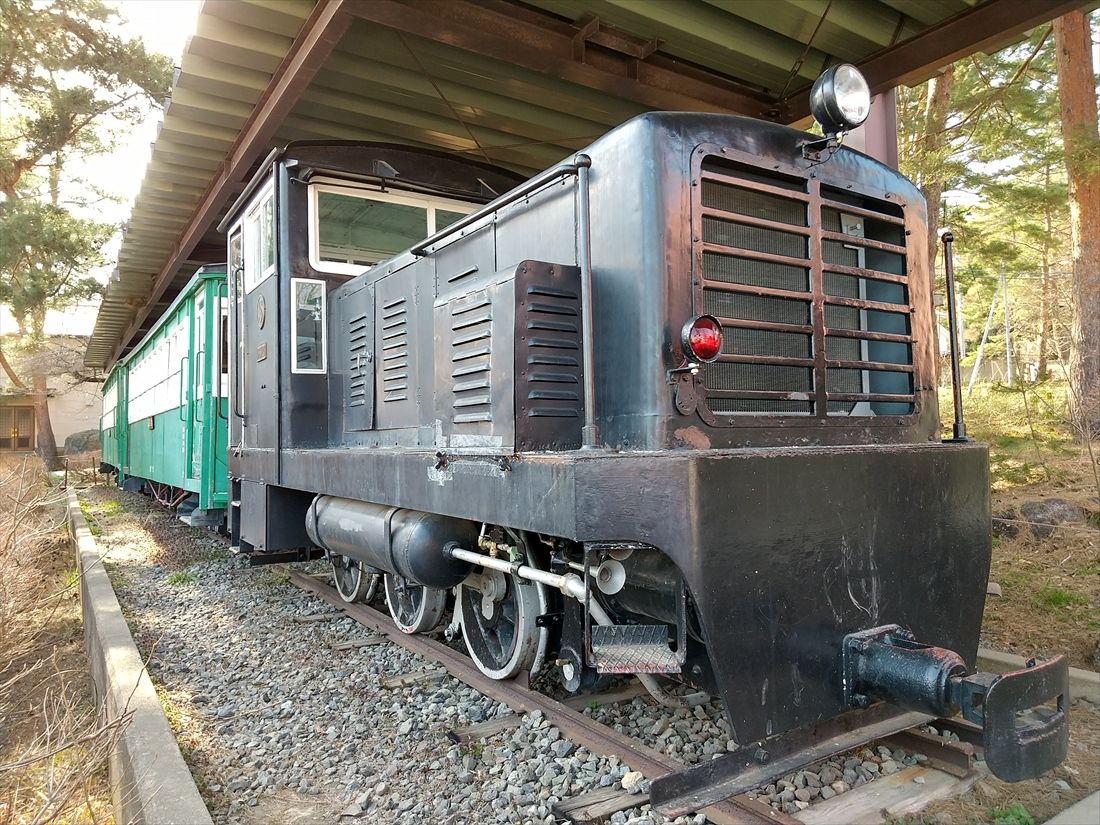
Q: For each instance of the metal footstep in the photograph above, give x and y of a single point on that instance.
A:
(633, 648)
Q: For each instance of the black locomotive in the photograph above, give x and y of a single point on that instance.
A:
(667, 409)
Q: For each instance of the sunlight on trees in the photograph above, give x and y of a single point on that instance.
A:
(69, 85)
(985, 143)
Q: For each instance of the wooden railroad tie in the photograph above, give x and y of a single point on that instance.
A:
(472, 733)
(481, 730)
(414, 678)
(907, 791)
(624, 694)
(315, 617)
(366, 641)
(598, 806)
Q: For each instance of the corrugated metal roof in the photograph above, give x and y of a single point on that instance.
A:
(518, 84)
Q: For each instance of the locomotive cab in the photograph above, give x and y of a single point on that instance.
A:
(666, 409)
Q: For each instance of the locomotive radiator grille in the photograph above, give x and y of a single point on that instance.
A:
(809, 284)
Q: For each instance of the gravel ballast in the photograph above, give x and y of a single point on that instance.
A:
(276, 724)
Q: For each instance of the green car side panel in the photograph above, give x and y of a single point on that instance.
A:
(184, 446)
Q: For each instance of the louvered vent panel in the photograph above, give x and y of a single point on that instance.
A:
(471, 367)
(359, 371)
(549, 392)
(395, 351)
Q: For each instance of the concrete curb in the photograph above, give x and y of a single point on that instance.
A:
(1085, 812)
(1083, 684)
(150, 782)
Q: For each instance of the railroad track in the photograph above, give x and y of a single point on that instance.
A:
(955, 759)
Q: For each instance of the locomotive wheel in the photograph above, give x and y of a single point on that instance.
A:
(499, 623)
(353, 579)
(347, 576)
(414, 608)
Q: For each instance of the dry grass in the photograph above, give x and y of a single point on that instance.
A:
(1041, 798)
(1050, 600)
(53, 747)
(1050, 587)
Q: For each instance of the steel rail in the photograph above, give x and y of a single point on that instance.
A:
(573, 725)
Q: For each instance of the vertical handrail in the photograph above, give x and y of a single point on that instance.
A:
(185, 386)
(959, 427)
(590, 433)
(199, 360)
(238, 363)
(220, 347)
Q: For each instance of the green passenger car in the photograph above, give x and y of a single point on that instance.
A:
(165, 406)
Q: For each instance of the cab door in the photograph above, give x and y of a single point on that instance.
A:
(254, 409)
(199, 390)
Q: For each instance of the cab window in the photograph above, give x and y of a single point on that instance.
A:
(308, 325)
(353, 228)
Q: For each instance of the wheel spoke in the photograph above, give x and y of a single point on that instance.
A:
(414, 608)
(505, 643)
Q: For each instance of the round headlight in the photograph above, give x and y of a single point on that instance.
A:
(840, 99)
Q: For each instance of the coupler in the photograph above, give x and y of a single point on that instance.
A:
(892, 682)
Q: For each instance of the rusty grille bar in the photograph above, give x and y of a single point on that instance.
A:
(811, 287)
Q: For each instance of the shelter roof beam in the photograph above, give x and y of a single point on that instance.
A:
(542, 44)
(315, 42)
(975, 29)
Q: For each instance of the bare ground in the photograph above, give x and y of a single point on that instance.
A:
(1050, 587)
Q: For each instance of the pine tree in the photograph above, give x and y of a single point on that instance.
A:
(1077, 82)
(1000, 142)
(68, 84)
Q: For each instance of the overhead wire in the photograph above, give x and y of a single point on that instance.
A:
(443, 97)
(798, 63)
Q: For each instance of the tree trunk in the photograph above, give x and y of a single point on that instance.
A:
(1077, 96)
(1044, 292)
(46, 446)
(935, 138)
(1044, 323)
